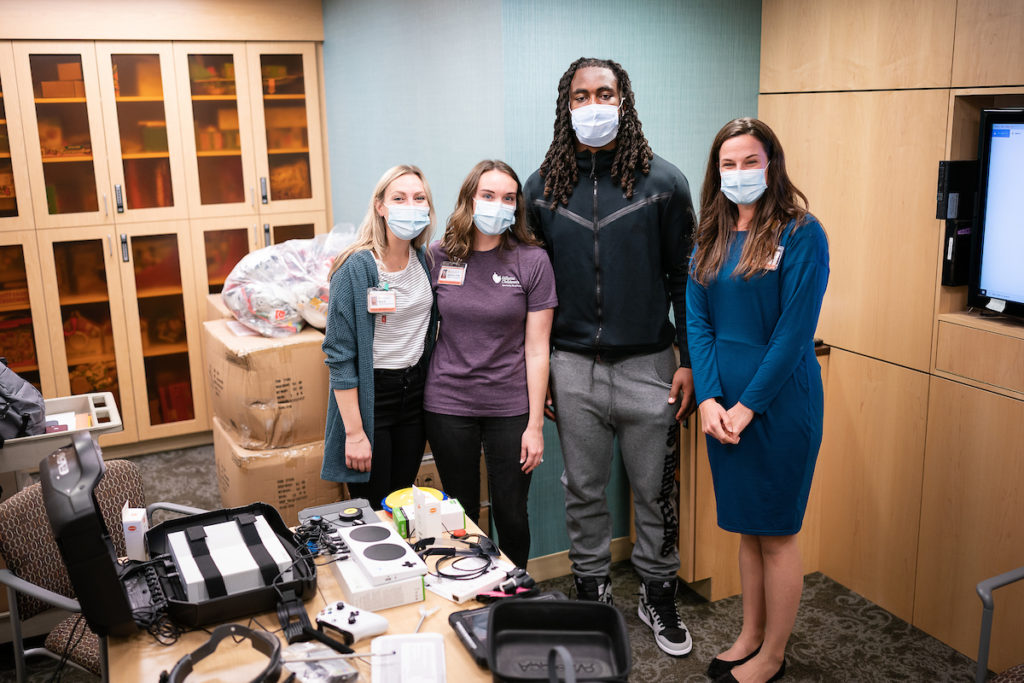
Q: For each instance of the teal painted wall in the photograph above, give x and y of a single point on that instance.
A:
(445, 83)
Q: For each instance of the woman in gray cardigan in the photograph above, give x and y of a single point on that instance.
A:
(380, 331)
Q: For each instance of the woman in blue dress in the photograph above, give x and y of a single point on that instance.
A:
(757, 277)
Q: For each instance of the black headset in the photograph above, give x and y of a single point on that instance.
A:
(261, 640)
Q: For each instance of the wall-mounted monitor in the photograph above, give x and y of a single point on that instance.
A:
(997, 264)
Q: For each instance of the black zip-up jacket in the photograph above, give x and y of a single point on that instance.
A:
(618, 262)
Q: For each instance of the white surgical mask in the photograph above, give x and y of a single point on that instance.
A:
(493, 218)
(744, 187)
(595, 124)
(407, 221)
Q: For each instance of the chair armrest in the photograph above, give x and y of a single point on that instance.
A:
(22, 586)
(173, 507)
(986, 587)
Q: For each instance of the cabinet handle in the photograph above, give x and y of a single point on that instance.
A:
(118, 200)
(106, 212)
(110, 247)
(124, 247)
(252, 193)
(255, 234)
(263, 189)
(266, 234)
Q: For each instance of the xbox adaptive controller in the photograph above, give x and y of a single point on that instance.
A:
(353, 623)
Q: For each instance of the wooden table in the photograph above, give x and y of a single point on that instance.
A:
(140, 659)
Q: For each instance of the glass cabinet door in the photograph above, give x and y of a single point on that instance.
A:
(86, 319)
(287, 121)
(213, 90)
(67, 162)
(23, 340)
(160, 305)
(143, 135)
(224, 242)
(15, 206)
(296, 226)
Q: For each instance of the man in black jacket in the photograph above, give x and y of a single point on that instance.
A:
(617, 221)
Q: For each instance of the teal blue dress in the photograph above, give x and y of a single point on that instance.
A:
(752, 341)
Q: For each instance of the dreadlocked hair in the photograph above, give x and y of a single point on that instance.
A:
(632, 153)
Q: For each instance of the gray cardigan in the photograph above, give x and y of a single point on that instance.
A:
(348, 343)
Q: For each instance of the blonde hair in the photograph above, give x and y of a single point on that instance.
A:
(373, 234)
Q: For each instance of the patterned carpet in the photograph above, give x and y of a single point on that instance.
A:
(839, 635)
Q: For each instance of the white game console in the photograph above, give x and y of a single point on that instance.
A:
(359, 590)
(353, 623)
(382, 554)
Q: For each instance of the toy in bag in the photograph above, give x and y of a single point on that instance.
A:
(277, 289)
(22, 410)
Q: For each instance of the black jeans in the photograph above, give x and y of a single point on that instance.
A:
(456, 443)
(398, 434)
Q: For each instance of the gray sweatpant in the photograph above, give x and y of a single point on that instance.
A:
(595, 401)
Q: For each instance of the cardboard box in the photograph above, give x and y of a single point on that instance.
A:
(270, 392)
(57, 88)
(215, 308)
(287, 478)
(69, 71)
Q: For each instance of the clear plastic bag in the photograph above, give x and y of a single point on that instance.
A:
(278, 289)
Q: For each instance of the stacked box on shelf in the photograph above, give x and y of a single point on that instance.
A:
(269, 401)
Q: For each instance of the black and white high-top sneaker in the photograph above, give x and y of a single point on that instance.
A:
(593, 588)
(657, 609)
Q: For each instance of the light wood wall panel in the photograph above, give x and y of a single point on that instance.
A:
(989, 352)
(873, 452)
(971, 512)
(162, 20)
(988, 48)
(867, 163)
(814, 45)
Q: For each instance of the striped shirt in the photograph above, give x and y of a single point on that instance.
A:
(399, 336)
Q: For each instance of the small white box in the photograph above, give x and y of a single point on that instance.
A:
(231, 556)
(364, 594)
(452, 517)
(135, 525)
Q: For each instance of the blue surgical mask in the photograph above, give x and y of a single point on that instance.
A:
(595, 124)
(407, 221)
(493, 218)
(744, 187)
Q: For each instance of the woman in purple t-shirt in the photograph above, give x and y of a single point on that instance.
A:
(489, 372)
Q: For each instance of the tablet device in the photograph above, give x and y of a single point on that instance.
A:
(471, 625)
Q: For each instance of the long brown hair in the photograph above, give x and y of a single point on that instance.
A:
(373, 234)
(458, 235)
(781, 203)
(632, 153)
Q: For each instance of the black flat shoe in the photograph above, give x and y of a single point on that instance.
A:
(727, 677)
(719, 667)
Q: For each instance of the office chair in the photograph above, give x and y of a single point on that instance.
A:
(37, 579)
(1015, 674)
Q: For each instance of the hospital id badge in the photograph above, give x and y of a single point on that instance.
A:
(773, 262)
(380, 300)
(452, 273)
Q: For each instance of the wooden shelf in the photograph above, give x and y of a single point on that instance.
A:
(138, 98)
(23, 367)
(154, 350)
(146, 155)
(289, 96)
(7, 308)
(219, 153)
(67, 159)
(60, 100)
(153, 292)
(297, 150)
(998, 325)
(87, 298)
(215, 98)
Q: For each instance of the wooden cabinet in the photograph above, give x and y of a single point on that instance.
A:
(971, 509)
(872, 454)
(874, 192)
(251, 114)
(23, 329)
(15, 204)
(133, 177)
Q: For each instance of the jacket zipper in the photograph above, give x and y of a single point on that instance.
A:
(597, 262)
